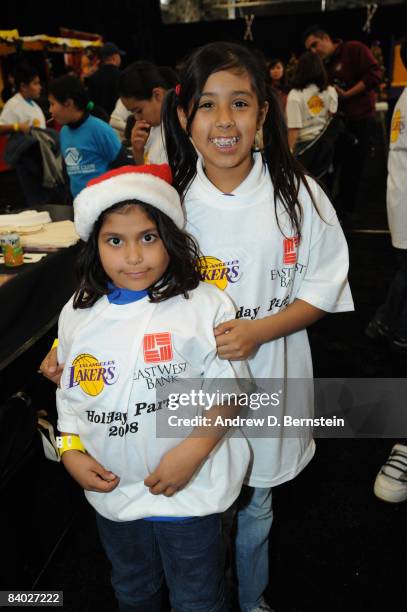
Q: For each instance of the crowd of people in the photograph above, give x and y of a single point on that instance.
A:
(177, 190)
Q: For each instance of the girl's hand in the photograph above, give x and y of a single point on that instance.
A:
(236, 339)
(50, 367)
(175, 469)
(88, 472)
(139, 136)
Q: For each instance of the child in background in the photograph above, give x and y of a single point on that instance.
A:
(89, 146)
(271, 240)
(142, 88)
(139, 314)
(21, 112)
(278, 79)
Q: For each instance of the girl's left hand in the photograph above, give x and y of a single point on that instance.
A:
(175, 470)
(236, 339)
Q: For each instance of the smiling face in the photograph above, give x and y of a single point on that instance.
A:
(225, 125)
(149, 110)
(131, 250)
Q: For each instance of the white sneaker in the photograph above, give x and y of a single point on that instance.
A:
(391, 481)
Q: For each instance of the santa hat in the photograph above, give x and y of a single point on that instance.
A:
(150, 184)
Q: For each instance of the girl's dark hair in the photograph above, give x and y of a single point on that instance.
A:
(310, 70)
(286, 173)
(181, 276)
(283, 81)
(24, 74)
(70, 87)
(140, 78)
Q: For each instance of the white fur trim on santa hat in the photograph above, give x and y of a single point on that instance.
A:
(93, 200)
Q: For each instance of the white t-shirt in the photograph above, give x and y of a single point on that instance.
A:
(262, 270)
(309, 110)
(20, 110)
(119, 361)
(397, 176)
(154, 150)
(118, 118)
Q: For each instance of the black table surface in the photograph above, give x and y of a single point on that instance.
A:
(31, 300)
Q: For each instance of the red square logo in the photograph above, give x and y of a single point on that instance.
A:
(290, 250)
(157, 347)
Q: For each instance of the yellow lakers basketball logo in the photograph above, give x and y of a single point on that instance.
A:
(315, 105)
(396, 126)
(91, 374)
(217, 272)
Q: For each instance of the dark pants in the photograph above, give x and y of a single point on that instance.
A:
(189, 555)
(393, 312)
(354, 154)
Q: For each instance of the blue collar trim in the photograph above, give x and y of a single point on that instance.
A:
(117, 295)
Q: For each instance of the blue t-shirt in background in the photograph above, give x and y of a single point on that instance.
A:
(88, 151)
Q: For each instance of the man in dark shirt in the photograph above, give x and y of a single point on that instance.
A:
(354, 72)
(103, 85)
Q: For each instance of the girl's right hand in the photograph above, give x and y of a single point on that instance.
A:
(50, 367)
(139, 136)
(88, 472)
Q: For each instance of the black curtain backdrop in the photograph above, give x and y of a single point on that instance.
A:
(135, 25)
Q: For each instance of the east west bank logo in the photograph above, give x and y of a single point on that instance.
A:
(157, 348)
(91, 374)
(219, 273)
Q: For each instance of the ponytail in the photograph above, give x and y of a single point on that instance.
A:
(181, 153)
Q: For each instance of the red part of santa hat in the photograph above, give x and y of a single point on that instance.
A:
(150, 184)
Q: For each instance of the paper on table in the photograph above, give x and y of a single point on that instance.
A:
(25, 221)
(53, 235)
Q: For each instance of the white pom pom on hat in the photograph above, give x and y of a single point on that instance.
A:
(150, 184)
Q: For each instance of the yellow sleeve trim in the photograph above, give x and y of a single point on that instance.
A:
(55, 343)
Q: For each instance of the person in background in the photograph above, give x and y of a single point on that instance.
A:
(142, 90)
(21, 112)
(89, 146)
(389, 324)
(104, 83)
(278, 79)
(311, 104)
(118, 119)
(32, 149)
(355, 73)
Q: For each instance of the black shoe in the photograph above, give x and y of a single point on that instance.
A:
(376, 330)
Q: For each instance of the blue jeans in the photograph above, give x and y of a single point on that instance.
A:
(253, 524)
(188, 554)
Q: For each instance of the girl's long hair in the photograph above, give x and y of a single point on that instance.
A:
(181, 276)
(286, 173)
(310, 71)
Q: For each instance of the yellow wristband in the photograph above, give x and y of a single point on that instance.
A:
(16, 127)
(55, 343)
(66, 443)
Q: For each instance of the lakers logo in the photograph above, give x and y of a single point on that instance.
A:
(91, 374)
(315, 105)
(397, 126)
(218, 272)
